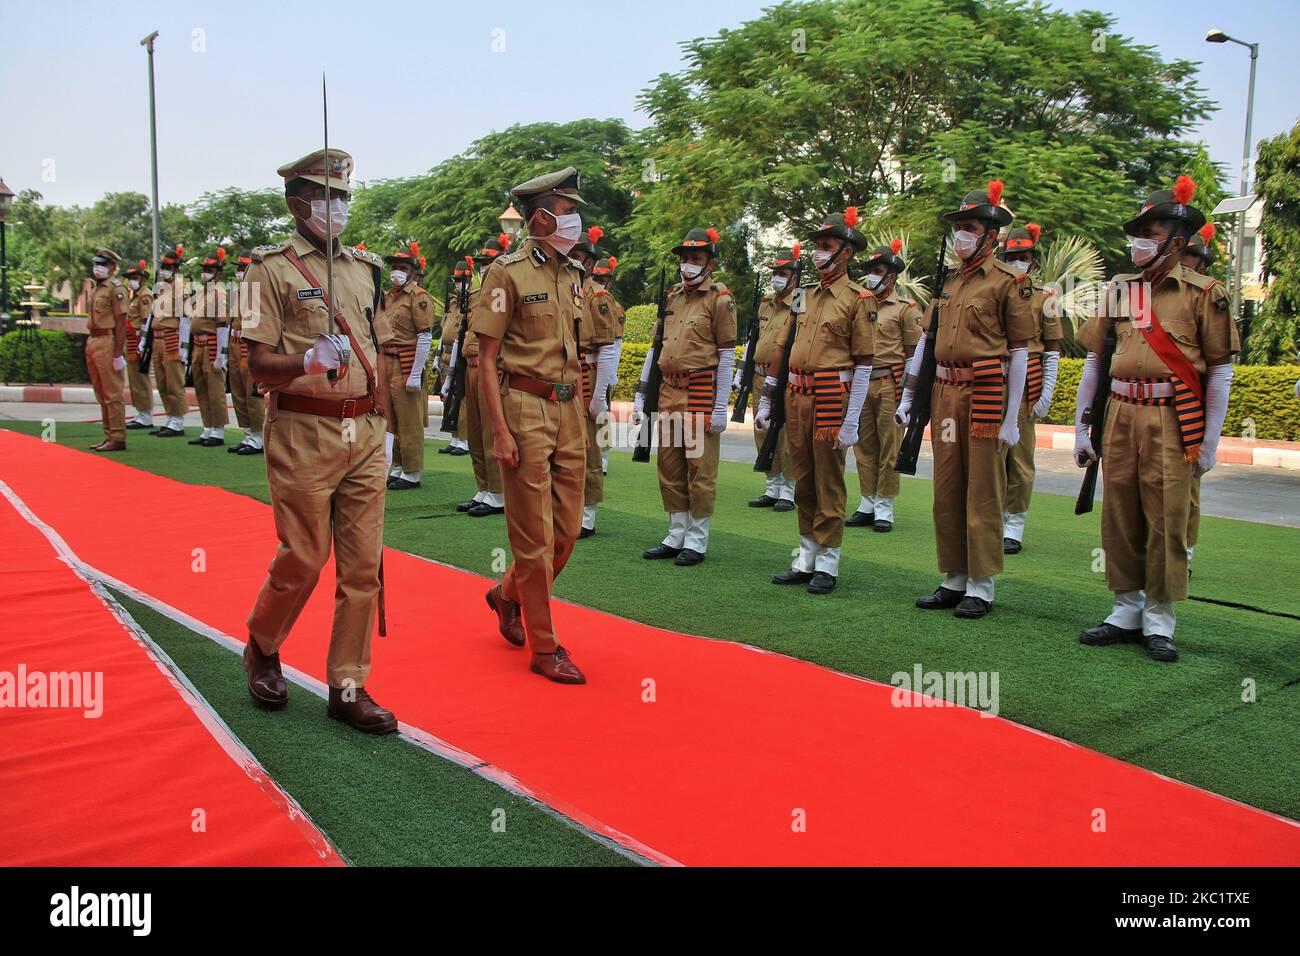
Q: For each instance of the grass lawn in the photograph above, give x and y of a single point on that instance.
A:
(1187, 720)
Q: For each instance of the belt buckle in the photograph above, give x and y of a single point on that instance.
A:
(562, 393)
(1145, 390)
(349, 408)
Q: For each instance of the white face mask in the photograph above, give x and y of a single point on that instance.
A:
(873, 281)
(568, 229)
(779, 283)
(1143, 251)
(239, 276)
(821, 258)
(691, 273)
(338, 212)
(134, 283)
(99, 272)
(965, 242)
(165, 274)
(208, 276)
(1020, 265)
(399, 278)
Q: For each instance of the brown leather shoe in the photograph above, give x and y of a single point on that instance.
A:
(510, 620)
(265, 682)
(557, 667)
(361, 712)
(110, 446)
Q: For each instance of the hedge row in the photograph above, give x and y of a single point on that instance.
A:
(59, 358)
(1263, 402)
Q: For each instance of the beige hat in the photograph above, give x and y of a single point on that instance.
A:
(103, 253)
(312, 168)
(562, 183)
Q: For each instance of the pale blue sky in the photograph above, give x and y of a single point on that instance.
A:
(414, 83)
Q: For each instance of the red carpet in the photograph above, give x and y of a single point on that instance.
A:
(737, 745)
(121, 788)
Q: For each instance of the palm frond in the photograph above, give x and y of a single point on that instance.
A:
(1073, 267)
(911, 285)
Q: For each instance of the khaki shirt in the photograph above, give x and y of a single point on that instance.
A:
(108, 303)
(1192, 308)
(1047, 321)
(471, 340)
(208, 310)
(608, 309)
(169, 303)
(837, 330)
(138, 309)
(287, 311)
(898, 328)
(773, 326)
(450, 327)
(983, 313)
(700, 323)
(530, 300)
(408, 312)
(599, 326)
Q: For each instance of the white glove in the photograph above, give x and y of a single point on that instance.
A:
(1009, 433)
(638, 408)
(321, 357)
(904, 411)
(1044, 404)
(1218, 384)
(763, 417)
(606, 373)
(598, 405)
(219, 361)
(119, 363)
(139, 347)
(445, 391)
(185, 354)
(388, 448)
(423, 342)
(848, 436)
(1084, 453)
(726, 362)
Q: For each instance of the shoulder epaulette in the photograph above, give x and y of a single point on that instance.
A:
(114, 281)
(269, 249)
(365, 255)
(1007, 270)
(599, 292)
(1203, 282)
(722, 290)
(515, 255)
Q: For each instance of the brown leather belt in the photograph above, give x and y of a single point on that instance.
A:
(547, 390)
(98, 333)
(324, 407)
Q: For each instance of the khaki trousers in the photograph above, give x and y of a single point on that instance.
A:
(250, 410)
(819, 492)
(169, 373)
(970, 487)
(141, 390)
(107, 384)
(478, 432)
(780, 460)
(593, 489)
(687, 459)
(1020, 464)
(209, 386)
(1194, 514)
(878, 439)
(324, 488)
(409, 413)
(1146, 496)
(543, 504)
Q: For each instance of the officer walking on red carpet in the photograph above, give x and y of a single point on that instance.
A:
(317, 350)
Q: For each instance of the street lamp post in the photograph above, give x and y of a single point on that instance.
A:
(147, 43)
(1218, 36)
(6, 202)
(511, 221)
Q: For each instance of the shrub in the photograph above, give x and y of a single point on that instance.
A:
(639, 326)
(59, 358)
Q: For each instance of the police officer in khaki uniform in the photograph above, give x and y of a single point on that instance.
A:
(475, 421)
(105, 345)
(210, 324)
(985, 324)
(1020, 252)
(168, 357)
(452, 320)
(1170, 380)
(409, 311)
(697, 361)
(602, 277)
(898, 329)
(137, 313)
(829, 375)
(250, 412)
(773, 322)
(1198, 256)
(325, 459)
(526, 320)
(599, 339)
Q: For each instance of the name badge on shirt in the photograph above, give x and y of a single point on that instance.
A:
(311, 294)
(537, 297)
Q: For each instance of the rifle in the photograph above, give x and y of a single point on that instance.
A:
(146, 336)
(1094, 417)
(747, 371)
(655, 379)
(922, 390)
(451, 411)
(767, 453)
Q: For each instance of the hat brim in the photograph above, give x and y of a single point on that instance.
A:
(1191, 215)
(856, 239)
(895, 263)
(334, 182)
(682, 250)
(999, 215)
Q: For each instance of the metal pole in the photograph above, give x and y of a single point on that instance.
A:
(1245, 188)
(4, 270)
(153, 148)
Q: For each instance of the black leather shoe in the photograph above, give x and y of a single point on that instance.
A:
(972, 607)
(458, 452)
(783, 505)
(483, 510)
(250, 450)
(1160, 648)
(158, 431)
(402, 484)
(466, 505)
(1104, 635)
(660, 551)
(1010, 546)
(882, 526)
(133, 425)
(688, 557)
(196, 441)
(860, 519)
(763, 501)
(792, 577)
(213, 442)
(171, 433)
(234, 449)
(821, 583)
(444, 450)
(586, 533)
(942, 599)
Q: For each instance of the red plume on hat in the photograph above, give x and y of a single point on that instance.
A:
(180, 251)
(613, 263)
(142, 265)
(423, 262)
(361, 246)
(995, 192)
(851, 217)
(1184, 189)
(896, 246)
(221, 253)
(1206, 231)
(796, 251)
(594, 234)
(1034, 230)
(712, 234)
(415, 249)
(504, 241)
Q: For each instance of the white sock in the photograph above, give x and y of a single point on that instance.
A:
(828, 560)
(867, 504)
(806, 559)
(1127, 611)
(1013, 525)
(884, 509)
(955, 582)
(1158, 619)
(589, 517)
(697, 534)
(980, 588)
(411, 475)
(786, 487)
(604, 460)
(494, 500)
(677, 523)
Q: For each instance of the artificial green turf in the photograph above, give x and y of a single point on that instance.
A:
(1186, 720)
(381, 801)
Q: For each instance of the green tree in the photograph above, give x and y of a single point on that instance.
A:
(68, 260)
(238, 219)
(121, 222)
(372, 216)
(1275, 332)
